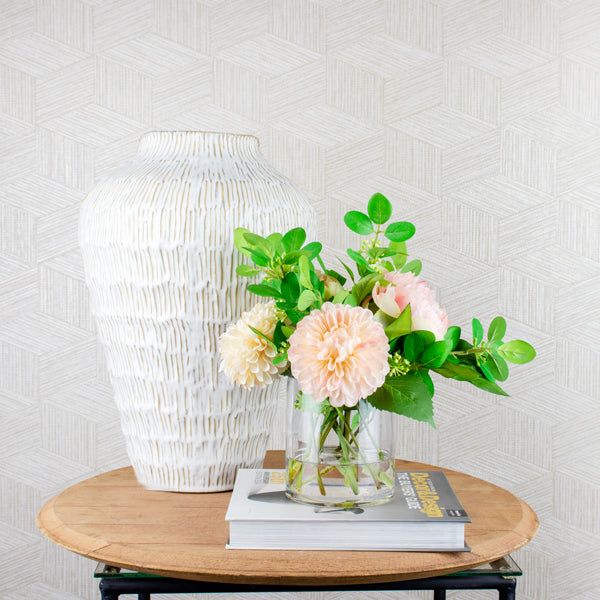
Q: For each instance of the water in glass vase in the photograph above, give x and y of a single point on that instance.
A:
(332, 481)
(338, 456)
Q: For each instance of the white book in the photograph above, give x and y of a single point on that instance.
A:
(423, 515)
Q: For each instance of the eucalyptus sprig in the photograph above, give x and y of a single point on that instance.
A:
(374, 256)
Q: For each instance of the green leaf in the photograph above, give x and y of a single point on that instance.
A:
(287, 331)
(413, 266)
(293, 239)
(306, 298)
(356, 257)
(274, 241)
(335, 275)
(351, 300)
(260, 258)
(379, 209)
(427, 337)
(485, 369)
(459, 372)
(435, 355)
(399, 259)
(279, 336)
(453, 335)
(290, 288)
(246, 271)
(313, 249)
(488, 386)
(364, 286)
(400, 326)
(517, 351)
(263, 336)
(255, 241)
(348, 269)
(416, 342)
(426, 377)
(497, 329)
(463, 345)
(477, 332)
(497, 366)
(304, 272)
(400, 231)
(263, 289)
(382, 318)
(364, 269)
(340, 297)
(239, 240)
(413, 346)
(406, 395)
(358, 222)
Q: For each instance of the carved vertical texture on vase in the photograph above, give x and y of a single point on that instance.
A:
(157, 242)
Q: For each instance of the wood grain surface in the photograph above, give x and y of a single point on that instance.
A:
(113, 519)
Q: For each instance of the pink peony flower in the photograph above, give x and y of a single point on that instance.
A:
(339, 352)
(404, 289)
(247, 358)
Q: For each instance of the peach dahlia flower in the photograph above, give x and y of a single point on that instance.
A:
(404, 289)
(246, 358)
(339, 352)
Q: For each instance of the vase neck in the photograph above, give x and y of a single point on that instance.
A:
(198, 143)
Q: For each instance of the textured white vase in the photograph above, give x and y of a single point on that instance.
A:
(159, 257)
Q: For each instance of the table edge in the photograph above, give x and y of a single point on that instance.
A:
(46, 519)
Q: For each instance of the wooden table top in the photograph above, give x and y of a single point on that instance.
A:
(113, 519)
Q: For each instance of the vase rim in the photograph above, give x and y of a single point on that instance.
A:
(195, 142)
(200, 132)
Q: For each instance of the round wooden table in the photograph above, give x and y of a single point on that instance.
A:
(111, 518)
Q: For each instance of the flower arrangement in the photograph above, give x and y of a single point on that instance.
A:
(375, 333)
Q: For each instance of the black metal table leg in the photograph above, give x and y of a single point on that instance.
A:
(439, 594)
(508, 592)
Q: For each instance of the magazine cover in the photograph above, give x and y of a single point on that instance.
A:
(420, 496)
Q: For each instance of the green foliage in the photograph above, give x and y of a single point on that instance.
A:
(293, 239)
(414, 266)
(399, 232)
(517, 351)
(296, 278)
(497, 329)
(246, 271)
(407, 395)
(436, 354)
(477, 332)
(379, 209)
(453, 335)
(400, 326)
(358, 222)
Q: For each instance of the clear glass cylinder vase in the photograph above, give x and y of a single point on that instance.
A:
(341, 457)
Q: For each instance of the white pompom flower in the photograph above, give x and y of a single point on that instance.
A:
(247, 358)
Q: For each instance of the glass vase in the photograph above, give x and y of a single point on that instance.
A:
(340, 457)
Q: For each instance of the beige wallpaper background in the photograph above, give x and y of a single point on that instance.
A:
(479, 119)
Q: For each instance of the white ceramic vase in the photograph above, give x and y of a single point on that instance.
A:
(159, 257)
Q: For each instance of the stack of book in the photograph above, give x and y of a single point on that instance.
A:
(423, 515)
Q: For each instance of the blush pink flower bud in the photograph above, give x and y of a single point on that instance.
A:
(332, 285)
(405, 289)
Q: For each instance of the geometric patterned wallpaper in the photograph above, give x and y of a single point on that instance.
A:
(479, 119)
